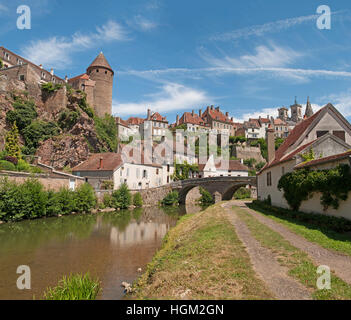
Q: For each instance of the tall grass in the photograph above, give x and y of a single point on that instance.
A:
(74, 287)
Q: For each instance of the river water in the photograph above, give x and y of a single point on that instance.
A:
(111, 246)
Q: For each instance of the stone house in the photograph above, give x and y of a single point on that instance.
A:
(326, 132)
(193, 121)
(154, 125)
(216, 120)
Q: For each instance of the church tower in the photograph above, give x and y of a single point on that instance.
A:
(296, 112)
(309, 110)
(101, 72)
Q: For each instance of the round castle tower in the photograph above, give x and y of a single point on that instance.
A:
(101, 72)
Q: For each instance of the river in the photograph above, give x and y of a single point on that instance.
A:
(111, 246)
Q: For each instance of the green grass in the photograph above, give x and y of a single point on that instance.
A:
(325, 237)
(203, 256)
(299, 264)
(74, 287)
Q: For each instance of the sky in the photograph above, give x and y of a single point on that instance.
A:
(248, 57)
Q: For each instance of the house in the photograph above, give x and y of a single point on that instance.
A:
(327, 133)
(281, 128)
(193, 121)
(102, 168)
(123, 129)
(222, 168)
(253, 129)
(219, 122)
(154, 124)
(134, 124)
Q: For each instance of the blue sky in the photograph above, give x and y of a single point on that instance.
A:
(248, 57)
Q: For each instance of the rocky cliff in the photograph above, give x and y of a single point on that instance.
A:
(63, 130)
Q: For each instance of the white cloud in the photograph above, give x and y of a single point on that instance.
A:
(172, 97)
(260, 30)
(56, 51)
(341, 101)
(141, 23)
(264, 56)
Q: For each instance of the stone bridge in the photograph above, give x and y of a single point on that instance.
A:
(221, 188)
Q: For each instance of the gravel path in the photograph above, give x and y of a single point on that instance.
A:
(339, 263)
(266, 266)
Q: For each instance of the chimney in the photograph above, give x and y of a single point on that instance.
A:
(148, 114)
(40, 66)
(200, 113)
(52, 72)
(177, 121)
(270, 143)
(227, 114)
(118, 120)
(101, 163)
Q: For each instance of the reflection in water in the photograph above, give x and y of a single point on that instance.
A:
(111, 246)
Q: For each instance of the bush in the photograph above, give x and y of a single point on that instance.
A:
(67, 119)
(23, 114)
(206, 197)
(6, 165)
(66, 201)
(74, 287)
(84, 198)
(49, 87)
(106, 130)
(171, 199)
(107, 200)
(13, 160)
(121, 198)
(138, 200)
(242, 193)
(23, 166)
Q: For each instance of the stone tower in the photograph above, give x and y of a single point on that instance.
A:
(283, 113)
(296, 112)
(309, 110)
(101, 72)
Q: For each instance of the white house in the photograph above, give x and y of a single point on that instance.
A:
(230, 168)
(326, 132)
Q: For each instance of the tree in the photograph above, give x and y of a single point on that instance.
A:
(12, 143)
(206, 197)
(121, 198)
(1, 64)
(138, 200)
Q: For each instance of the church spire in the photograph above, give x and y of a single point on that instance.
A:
(309, 110)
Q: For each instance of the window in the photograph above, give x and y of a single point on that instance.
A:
(269, 179)
(340, 135)
(137, 173)
(321, 133)
(145, 174)
(157, 171)
(21, 77)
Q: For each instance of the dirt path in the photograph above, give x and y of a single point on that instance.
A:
(266, 266)
(339, 263)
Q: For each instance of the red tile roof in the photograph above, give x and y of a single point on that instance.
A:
(188, 117)
(110, 162)
(83, 76)
(157, 117)
(217, 115)
(339, 156)
(135, 121)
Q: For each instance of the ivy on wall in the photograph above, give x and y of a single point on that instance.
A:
(334, 185)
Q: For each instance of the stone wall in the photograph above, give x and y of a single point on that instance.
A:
(50, 182)
(248, 152)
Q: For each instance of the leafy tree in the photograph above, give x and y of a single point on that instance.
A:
(12, 143)
(138, 200)
(171, 199)
(250, 162)
(121, 198)
(106, 130)
(242, 193)
(85, 198)
(206, 197)
(259, 166)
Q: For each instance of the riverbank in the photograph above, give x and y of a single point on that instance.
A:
(201, 258)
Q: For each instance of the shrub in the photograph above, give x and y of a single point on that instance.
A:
(138, 200)
(12, 147)
(107, 200)
(65, 200)
(6, 165)
(23, 166)
(121, 198)
(242, 193)
(23, 114)
(206, 197)
(74, 287)
(259, 166)
(106, 130)
(67, 119)
(171, 199)
(334, 184)
(49, 87)
(84, 198)
(13, 160)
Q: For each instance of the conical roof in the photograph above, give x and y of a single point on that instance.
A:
(309, 111)
(101, 62)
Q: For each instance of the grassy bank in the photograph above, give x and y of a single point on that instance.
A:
(329, 232)
(201, 258)
(299, 264)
